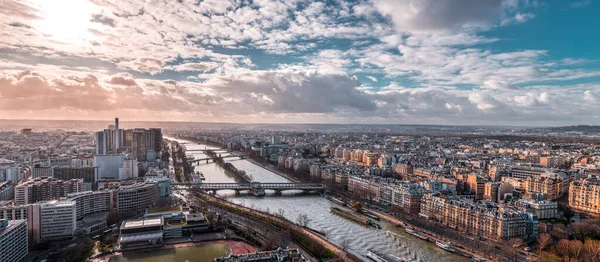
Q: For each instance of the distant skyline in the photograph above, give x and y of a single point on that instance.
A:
(454, 62)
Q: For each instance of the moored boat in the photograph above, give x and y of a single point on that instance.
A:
(444, 246)
(375, 256)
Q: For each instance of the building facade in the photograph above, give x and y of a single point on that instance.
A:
(584, 196)
(13, 240)
(44, 189)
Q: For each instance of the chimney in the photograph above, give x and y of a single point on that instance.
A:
(116, 135)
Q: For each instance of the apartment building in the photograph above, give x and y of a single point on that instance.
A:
(44, 189)
(13, 240)
(584, 196)
(132, 200)
(484, 219)
(7, 190)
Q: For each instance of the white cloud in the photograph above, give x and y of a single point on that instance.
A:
(372, 78)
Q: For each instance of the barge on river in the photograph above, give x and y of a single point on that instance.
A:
(348, 215)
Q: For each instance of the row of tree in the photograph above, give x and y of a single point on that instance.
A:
(576, 242)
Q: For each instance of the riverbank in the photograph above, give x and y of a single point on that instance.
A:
(236, 247)
(274, 170)
(297, 232)
(390, 219)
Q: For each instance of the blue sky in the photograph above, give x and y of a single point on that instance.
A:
(513, 62)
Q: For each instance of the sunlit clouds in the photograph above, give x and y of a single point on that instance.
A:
(377, 61)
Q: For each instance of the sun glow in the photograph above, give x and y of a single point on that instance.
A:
(66, 21)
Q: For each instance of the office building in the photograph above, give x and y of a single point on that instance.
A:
(13, 240)
(44, 189)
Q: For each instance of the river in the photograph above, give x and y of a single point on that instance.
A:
(391, 240)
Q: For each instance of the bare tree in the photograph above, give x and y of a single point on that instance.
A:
(345, 244)
(514, 245)
(303, 220)
(543, 240)
(592, 250)
(562, 248)
(280, 212)
(575, 248)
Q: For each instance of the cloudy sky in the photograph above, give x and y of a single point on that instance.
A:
(492, 62)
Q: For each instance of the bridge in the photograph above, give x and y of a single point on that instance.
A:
(256, 188)
(209, 158)
(204, 150)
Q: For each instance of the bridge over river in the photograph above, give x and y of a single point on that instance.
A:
(256, 188)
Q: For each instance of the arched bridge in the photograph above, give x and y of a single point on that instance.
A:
(256, 188)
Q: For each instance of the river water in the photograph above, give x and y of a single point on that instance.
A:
(391, 240)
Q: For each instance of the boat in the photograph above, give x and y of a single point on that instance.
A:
(478, 259)
(375, 256)
(348, 215)
(190, 157)
(415, 234)
(444, 246)
(200, 176)
(369, 214)
(337, 201)
(372, 224)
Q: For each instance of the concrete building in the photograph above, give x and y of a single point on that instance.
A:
(44, 189)
(141, 233)
(56, 221)
(132, 200)
(10, 173)
(90, 202)
(41, 172)
(584, 196)
(7, 190)
(108, 166)
(129, 169)
(13, 240)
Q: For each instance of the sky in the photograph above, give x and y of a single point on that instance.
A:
(455, 62)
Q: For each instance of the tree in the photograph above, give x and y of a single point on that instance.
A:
(562, 248)
(592, 250)
(345, 244)
(559, 231)
(543, 240)
(566, 210)
(514, 245)
(575, 248)
(280, 212)
(303, 220)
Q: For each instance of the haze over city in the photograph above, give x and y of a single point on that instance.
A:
(496, 62)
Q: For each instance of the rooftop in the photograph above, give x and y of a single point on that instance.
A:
(163, 209)
(138, 223)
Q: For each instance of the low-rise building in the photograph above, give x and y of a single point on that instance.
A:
(141, 232)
